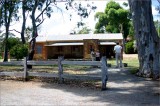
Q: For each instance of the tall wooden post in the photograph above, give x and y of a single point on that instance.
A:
(60, 69)
(25, 68)
(104, 72)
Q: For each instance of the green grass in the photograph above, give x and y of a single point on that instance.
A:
(133, 62)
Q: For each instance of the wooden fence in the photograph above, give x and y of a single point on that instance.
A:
(60, 75)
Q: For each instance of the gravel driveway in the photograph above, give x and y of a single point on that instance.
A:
(123, 89)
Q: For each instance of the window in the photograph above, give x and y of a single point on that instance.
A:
(39, 49)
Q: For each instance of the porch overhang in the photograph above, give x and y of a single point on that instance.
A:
(79, 44)
(65, 44)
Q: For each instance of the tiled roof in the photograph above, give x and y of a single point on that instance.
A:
(80, 37)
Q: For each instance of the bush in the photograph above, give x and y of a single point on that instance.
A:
(19, 51)
(129, 49)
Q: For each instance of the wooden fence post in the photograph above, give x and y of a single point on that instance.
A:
(60, 69)
(104, 72)
(25, 68)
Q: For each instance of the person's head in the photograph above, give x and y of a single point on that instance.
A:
(117, 43)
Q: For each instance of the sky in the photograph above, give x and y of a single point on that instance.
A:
(60, 24)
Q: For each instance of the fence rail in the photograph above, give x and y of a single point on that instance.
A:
(60, 75)
(12, 63)
(42, 63)
(90, 63)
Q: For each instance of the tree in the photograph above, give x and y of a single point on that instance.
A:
(114, 20)
(102, 22)
(19, 51)
(148, 42)
(24, 9)
(37, 21)
(12, 40)
(8, 13)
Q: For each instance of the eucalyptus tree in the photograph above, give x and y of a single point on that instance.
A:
(8, 13)
(148, 42)
(44, 8)
(114, 19)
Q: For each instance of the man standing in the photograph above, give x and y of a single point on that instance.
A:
(118, 50)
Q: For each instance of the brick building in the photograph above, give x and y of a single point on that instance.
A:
(76, 46)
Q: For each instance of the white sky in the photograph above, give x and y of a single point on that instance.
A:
(60, 23)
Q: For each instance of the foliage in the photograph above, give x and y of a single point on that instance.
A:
(83, 10)
(28, 33)
(129, 49)
(9, 10)
(114, 20)
(84, 30)
(131, 30)
(157, 25)
(19, 51)
(11, 41)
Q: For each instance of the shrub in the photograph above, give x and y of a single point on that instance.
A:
(19, 51)
(129, 49)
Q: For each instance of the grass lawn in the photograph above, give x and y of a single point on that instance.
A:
(132, 62)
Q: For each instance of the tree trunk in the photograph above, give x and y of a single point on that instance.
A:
(7, 25)
(24, 22)
(6, 45)
(34, 34)
(148, 42)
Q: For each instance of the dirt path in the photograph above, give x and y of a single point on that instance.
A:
(123, 89)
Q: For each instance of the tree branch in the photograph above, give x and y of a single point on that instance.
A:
(15, 31)
(43, 10)
(40, 23)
